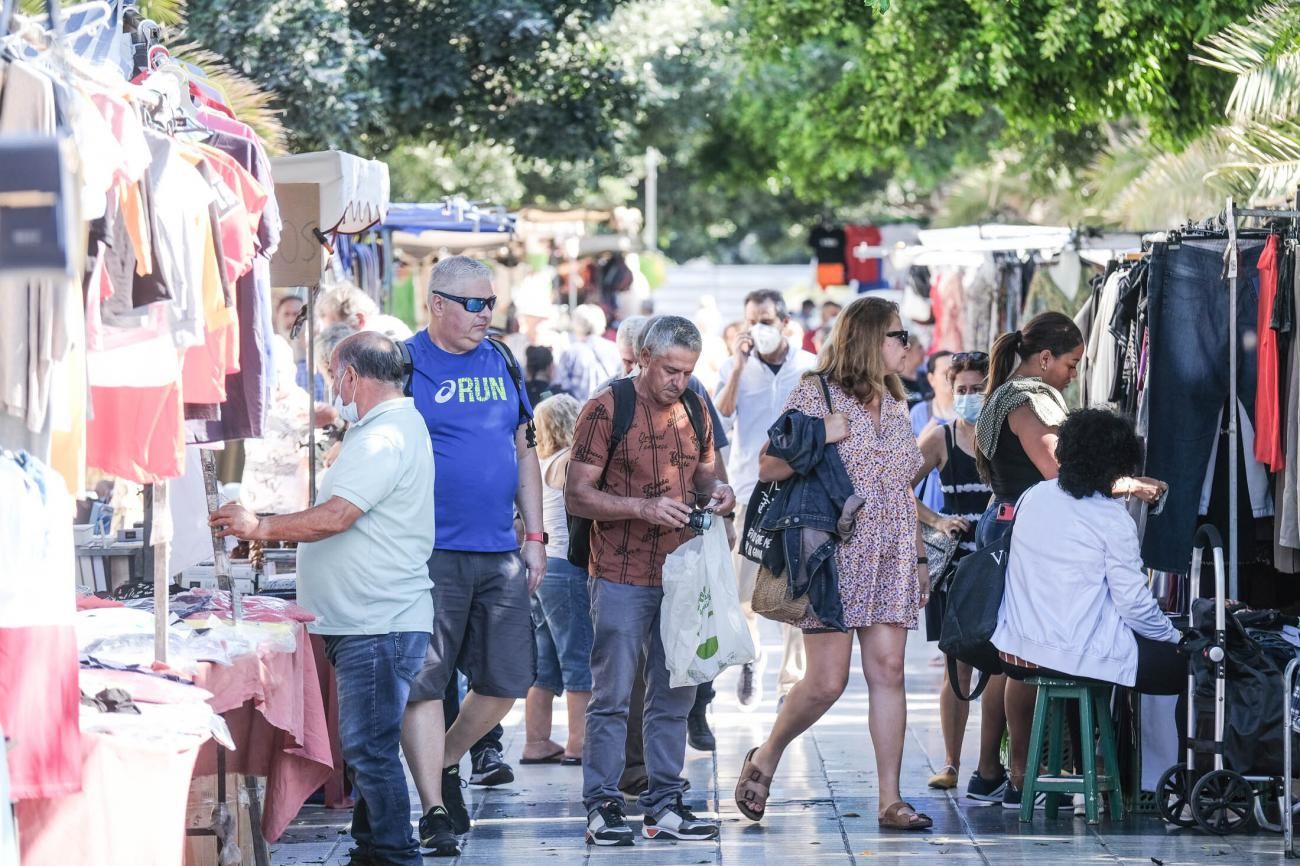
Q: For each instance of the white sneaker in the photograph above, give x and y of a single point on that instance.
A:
(678, 822)
(606, 826)
(1081, 811)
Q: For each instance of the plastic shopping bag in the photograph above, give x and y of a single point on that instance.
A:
(700, 622)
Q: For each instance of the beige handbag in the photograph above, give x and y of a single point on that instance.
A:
(772, 598)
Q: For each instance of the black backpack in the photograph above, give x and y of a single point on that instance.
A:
(971, 616)
(579, 552)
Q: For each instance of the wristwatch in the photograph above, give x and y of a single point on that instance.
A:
(542, 537)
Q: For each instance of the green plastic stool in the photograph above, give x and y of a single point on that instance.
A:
(1049, 721)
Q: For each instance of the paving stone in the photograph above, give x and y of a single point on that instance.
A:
(822, 812)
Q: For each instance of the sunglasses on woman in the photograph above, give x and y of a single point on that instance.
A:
(970, 357)
(471, 305)
(900, 336)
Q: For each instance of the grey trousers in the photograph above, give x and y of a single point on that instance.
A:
(626, 623)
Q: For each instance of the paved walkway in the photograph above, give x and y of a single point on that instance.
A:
(822, 811)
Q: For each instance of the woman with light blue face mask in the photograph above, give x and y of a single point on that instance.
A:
(950, 449)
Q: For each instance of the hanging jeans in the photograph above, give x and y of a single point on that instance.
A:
(1188, 314)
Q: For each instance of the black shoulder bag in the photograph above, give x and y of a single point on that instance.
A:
(754, 540)
(971, 616)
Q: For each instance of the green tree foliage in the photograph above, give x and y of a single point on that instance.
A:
(322, 70)
(718, 196)
(841, 87)
(366, 75)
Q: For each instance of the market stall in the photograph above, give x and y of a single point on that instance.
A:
(415, 236)
(137, 342)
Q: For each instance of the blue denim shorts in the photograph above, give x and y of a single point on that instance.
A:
(562, 620)
(990, 529)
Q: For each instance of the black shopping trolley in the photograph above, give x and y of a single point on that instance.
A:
(1229, 779)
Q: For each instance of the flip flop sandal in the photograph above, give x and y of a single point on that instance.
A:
(569, 761)
(553, 758)
(902, 816)
(753, 789)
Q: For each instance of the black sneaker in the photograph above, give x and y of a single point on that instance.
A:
(985, 790)
(606, 826)
(436, 834)
(454, 800)
(487, 768)
(678, 822)
(1014, 796)
(698, 733)
(357, 857)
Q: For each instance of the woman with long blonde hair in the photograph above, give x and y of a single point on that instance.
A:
(561, 606)
(883, 577)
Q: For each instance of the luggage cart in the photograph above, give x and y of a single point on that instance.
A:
(1221, 801)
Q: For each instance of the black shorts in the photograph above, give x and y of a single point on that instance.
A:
(1161, 669)
(934, 611)
(482, 626)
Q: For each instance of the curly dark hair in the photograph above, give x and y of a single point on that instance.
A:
(1095, 448)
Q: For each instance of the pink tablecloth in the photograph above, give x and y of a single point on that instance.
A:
(130, 811)
(272, 703)
(336, 796)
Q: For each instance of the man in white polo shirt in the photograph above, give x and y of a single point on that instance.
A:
(755, 383)
(362, 571)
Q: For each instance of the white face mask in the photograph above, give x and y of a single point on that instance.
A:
(767, 339)
(347, 411)
(967, 407)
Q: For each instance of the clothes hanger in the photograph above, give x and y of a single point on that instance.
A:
(83, 20)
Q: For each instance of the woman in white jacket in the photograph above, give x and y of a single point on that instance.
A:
(1076, 600)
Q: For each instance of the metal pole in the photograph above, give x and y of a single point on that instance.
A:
(220, 559)
(390, 263)
(1233, 557)
(1288, 826)
(311, 396)
(155, 568)
(650, 238)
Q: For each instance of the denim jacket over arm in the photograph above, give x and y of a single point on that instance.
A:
(811, 514)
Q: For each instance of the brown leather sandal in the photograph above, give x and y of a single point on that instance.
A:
(753, 789)
(902, 816)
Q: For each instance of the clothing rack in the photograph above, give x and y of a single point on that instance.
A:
(1230, 216)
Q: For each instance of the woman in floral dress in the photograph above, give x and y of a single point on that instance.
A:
(884, 581)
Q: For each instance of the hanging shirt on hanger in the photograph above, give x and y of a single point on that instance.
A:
(1268, 440)
(864, 267)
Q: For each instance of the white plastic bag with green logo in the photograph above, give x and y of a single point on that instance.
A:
(700, 622)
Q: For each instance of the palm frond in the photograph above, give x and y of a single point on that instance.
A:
(1173, 187)
(165, 12)
(168, 13)
(1113, 172)
(1245, 47)
(1264, 156)
(251, 104)
(1264, 54)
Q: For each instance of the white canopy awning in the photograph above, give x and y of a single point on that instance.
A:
(354, 191)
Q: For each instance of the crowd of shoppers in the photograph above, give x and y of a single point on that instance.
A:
(437, 557)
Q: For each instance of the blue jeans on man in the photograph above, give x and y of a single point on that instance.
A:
(626, 623)
(374, 674)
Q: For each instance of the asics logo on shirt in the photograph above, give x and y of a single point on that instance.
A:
(472, 389)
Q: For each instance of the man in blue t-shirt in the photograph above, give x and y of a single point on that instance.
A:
(485, 468)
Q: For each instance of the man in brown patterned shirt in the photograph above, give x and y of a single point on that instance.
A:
(657, 474)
